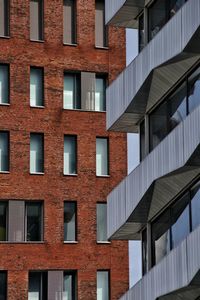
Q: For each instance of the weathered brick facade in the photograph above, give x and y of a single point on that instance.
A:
(53, 187)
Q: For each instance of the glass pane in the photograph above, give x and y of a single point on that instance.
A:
(195, 204)
(102, 285)
(141, 32)
(69, 22)
(36, 87)
(100, 104)
(101, 156)
(36, 154)
(157, 17)
(36, 19)
(175, 5)
(4, 84)
(3, 221)
(142, 140)
(101, 222)
(4, 152)
(70, 155)
(161, 236)
(69, 286)
(34, 221)
(194, 90)
(71, 96)
(69, 221)
(4, 18)
(180, 220)
(35, 282)
(144, 251)
(3, 285)
(100, 28)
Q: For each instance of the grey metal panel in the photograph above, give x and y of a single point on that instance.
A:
(55, 285)
(16, 217)
(87, 91)
(165, 51)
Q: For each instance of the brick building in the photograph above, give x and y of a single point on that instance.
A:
(57, 162)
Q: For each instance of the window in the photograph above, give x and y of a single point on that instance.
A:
(36, 87)
(102, 157)
(3, 221)
(37, 289)
(33, 221)
(103, 279)
(71, 96)
(100, 28)
(142, 140)
(194, 90)
(70, 221)
(144, 252)
(70, 285)
(36, 20)
(101, 222)
(4, 17)
(3, 285)
(141, 33)
(70, 155)
(4, 84)
(36, 153)
(4, 151)
(195, 205)
(69, 21)
(100, 94)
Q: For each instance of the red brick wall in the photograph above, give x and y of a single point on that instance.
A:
(86, 256)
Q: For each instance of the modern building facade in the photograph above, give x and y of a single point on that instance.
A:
(57, 162)
(158, 95)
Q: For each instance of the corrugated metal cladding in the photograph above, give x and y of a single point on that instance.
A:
(170, 155)
(129, 93)
(175, 273)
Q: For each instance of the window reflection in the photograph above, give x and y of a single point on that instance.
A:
(195, 205)
(194, 90)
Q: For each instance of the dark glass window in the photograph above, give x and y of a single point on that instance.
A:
(36, 20)
(102, 160)
(4, 17)
(144, 252)
(100, 28)
(33, 221)
(4, 84)
(37, 286)
(70, 221)
(3, 221)
(142, 140)
(70, 155)
(103, 284)
(69, 21)
(70, 285)
(3, 285)
(101, 222)
(71, 92)
(36, 87)
(141, 32)
(100, 94)
(195, 205)
(194, 90)
(36, 153)
(4, 151)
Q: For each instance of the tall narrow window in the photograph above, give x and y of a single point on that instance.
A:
(71, 95)
(70, 221)
(3, 221)
(33, 221)
(70, 285)
(4, 17)
(4, 151)
(102, 157)
(69, 21)
(101, 222)
(36, 153)
(4, 84)
(37, 289)
(36, 87)
(36, 20)
(195, 205)
(70, 155)
(3, 285)
(100, 28)
(141, 32)
(100, 94)
(103, 285)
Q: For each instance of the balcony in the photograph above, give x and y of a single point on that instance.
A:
(155, 71)
(175, 277)
(159, 178)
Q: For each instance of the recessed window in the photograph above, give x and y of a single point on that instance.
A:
(4, 84)
(36, 20)
(4, 17)
(71, 95)
(4, 151)
(37, 289)
(103, 279)
(3, 285)
(101, 222)
(102, 157)
(195, 205)
(3, 221)
(69, 21)
(100, 28)
(100, 94)
(69, 221)
(141, 32)
(33, 221)
(70, 155)
(70, 285)
(36, 153)
(36, 87)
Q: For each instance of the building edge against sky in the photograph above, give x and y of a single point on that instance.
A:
(158, 95)
(57, 161)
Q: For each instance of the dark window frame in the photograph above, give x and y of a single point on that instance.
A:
(108, 155)
(5, 272)
(77, 96)
(5, 202)
(109, 280)
(6, 19)
(41, 203)
(43, 278)
(107, 240)
(8, 137)
(74, 275)
(105, 85)
(76, 154)
(40, 20)
(43, 147)
(105, 28)
(42, 83)
(8, 70)
(76, 221)
(73, 25)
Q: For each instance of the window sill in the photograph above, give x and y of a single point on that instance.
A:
(73, 175)
(103, 242)
(37, 173)
(37, 41)
(4, 172)
(84, 110)
(4, 104)
(70, 242)
(72, 45)
(4, 37)
(101, 48)
(103, 176)
(37, 106)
